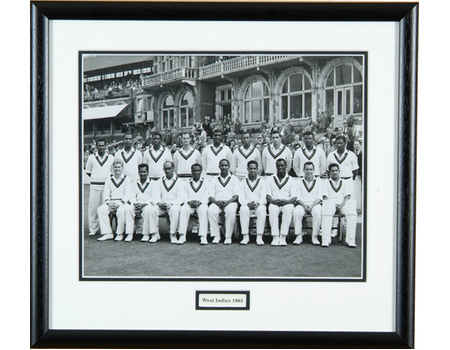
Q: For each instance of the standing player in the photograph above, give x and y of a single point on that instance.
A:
(171, 198)
(308, 202)
(223, 197)
(145, 194)
(309, 153)
(212, 154)
(347, 160)
(274, 152)
(184, 158)
(281, 196)
(196, 195)
(244, 154)
(252, 197)
(98, 168)
(337, 198)
(117, 192)
(131, 157)
(156, 156)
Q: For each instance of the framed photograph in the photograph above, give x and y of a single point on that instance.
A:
(310, 244)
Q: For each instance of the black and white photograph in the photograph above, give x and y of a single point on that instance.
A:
(223, 165)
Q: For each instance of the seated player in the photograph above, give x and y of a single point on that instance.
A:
(116, 193)
(252, 197)
(196, 194)
(281, 196)
(308, 202)
(337, 199)
(223, 197)
(145, 194)
(171, 190)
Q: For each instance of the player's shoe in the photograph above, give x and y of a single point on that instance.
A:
(298, 240)
(106, 237)
(119, 237)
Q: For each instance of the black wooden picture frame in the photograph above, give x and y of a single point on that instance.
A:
(406, 14)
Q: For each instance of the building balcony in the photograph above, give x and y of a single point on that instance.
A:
(218, 69)
(183, 74)
(241, 63)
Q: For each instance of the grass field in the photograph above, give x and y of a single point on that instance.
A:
(161, 259)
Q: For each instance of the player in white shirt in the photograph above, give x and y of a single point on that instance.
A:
(223, 197)
(252, 197)
(242, 155)
(213, 154)
(308, 202)
(274, 152)
(145, 194)
(185, 157)
(172, 193)
(98, 168)
(131, 157)
(281, 196)
(337, 197)
(156, 156)
(347, 160)
(117, 192)
(309, 153)
(196, 195)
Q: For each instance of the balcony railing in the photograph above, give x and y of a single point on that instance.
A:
(213, 70)
(170, 76)
(240, 63)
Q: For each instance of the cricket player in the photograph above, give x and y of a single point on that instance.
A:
(98, 168)
(308, 202)
(156, 156)
(171, 190)
(274, 152)
(337, 198)
(196, 194)
(252, 197)
(145, 194)
(309, 153)
(212, 155)
(281, 196)
(244, 154)
(116, 194)
(223, 197)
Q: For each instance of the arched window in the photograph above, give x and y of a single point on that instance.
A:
(256, 103)
(187, 110)
(296, 97)
(168, 113)
(344, 91)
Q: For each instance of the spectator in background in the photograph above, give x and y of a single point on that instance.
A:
(359, 155)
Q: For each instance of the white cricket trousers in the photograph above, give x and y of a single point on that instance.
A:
(329, 209)
(245, 214)
(153, 220)
(130, 217)
(299, 213)
(103, 217)
(186, 211)
(95, 200)
(274, 212)
(230, 219)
